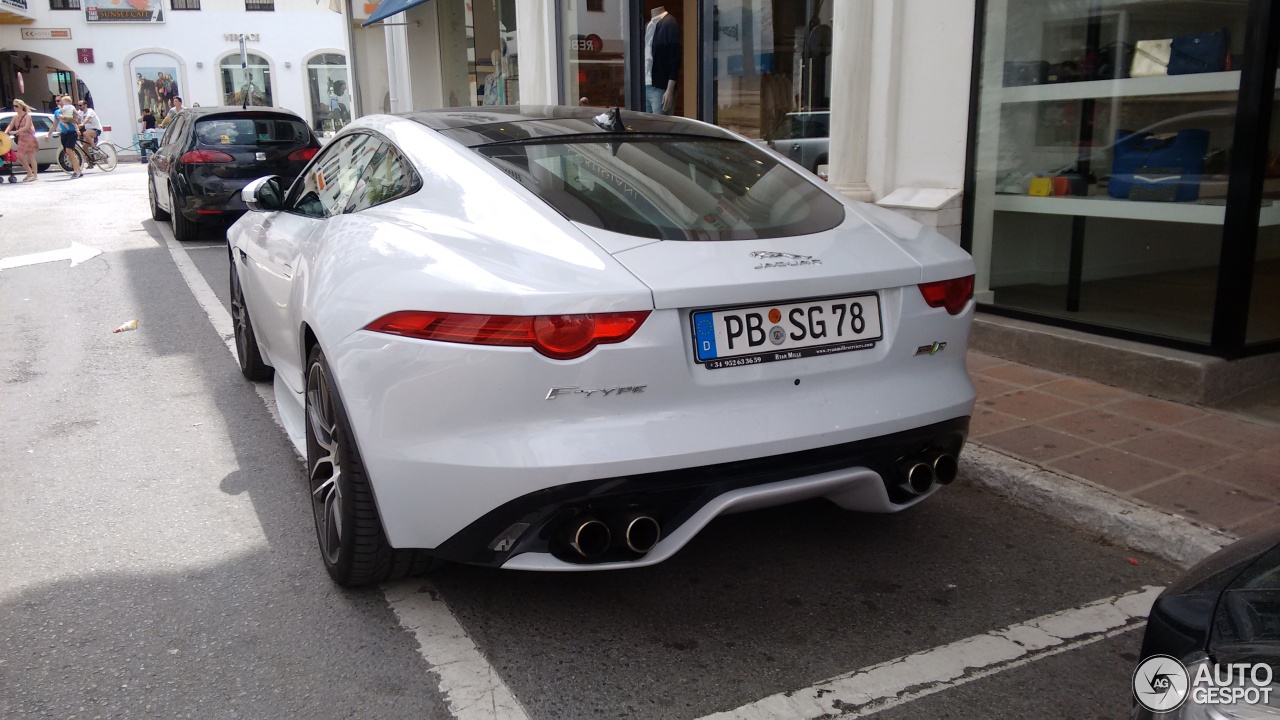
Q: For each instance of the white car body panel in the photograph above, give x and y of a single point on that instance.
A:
(449, 432)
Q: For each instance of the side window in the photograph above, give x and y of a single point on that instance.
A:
(43, 124)
(331, 178)
(387, 177)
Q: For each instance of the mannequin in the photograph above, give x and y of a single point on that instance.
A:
(662, 48)
(495, 85)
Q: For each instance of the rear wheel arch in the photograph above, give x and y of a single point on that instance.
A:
(306, 341)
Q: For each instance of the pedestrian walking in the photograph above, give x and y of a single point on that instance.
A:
(23, 128)
(173, 112)
(69, 135)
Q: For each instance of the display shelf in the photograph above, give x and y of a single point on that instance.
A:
(1105, 206)
(1220, 82)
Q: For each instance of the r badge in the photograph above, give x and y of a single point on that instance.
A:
(933, 349)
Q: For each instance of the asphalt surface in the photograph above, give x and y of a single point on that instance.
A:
(160, 554)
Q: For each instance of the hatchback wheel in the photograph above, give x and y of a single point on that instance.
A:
(183, 229)
(352, 544)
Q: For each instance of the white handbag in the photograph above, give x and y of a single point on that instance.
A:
(1151, 58)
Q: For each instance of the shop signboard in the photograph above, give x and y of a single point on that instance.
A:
(46, 33)
(19, 4)
(145, 11)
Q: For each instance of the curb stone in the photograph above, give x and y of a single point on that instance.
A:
(1165, 535)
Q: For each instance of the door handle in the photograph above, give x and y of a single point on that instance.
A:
(795, 147)
(244, 257)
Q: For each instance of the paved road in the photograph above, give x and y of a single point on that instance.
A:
(160, 556)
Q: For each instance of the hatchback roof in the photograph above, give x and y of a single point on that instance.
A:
(482, 126)
(233, 109)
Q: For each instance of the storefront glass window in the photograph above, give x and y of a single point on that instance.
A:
(1264, 304)
(594, 72)
(772, 73)
(1103, 151)
(478, 53)
(248, 86)
(329, 85)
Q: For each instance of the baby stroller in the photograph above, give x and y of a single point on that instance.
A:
(8, 158)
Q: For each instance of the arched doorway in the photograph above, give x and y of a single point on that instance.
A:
(329, 92)
(36, 79)
(156, 79)
(246, 86)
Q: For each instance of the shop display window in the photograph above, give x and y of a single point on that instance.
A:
(329, 87)
(1103, 157)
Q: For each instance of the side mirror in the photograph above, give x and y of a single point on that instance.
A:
(263, 194)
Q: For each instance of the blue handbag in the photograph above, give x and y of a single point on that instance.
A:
(1147, 167)
(1199, 53)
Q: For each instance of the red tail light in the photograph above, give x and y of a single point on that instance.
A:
(953, 295)
(303, 154)
(205, 156)
(562, 337)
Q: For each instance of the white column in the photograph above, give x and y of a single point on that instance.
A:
(398, 64)
(536, 38)
(850, 97)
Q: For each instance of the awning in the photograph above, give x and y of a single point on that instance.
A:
(387, 8)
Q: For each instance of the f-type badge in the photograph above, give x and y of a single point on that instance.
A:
(932, 349)
(556, 392)
(780, 259)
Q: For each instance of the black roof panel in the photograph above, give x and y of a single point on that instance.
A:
(481, 126)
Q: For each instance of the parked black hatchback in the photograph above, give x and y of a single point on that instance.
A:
(208, 154)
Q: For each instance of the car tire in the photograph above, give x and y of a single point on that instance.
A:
(44, 168)
(157, 213)
(353, 546)
(183, 229)
(251, 363)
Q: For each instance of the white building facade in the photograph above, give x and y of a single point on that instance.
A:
(124, 55)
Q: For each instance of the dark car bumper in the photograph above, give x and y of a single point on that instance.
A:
(211, 199)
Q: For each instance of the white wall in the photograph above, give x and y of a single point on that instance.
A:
(290, 34)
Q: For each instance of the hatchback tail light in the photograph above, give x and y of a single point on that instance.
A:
(303, 154)
(953, 295)
(205, 156)
(562, 337)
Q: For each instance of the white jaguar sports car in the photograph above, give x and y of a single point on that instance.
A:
(551, 338)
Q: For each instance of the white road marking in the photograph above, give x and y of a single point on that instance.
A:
(470, 685)
(902, 680)
(77, 254)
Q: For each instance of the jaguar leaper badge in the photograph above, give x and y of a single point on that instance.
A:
(780, 259)
(931, 349)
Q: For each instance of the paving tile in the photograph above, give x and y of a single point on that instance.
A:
(986, 421)
(1084, 391)
(990, 387)
(1230, 431)
(1020, 374)
(1255, 473)
(1198, 497)
(1157, 411)
(1035, 443)
(1101, 426)
(1031, 405)
(1266, 521)
(976, 361)
(1117, 470)
(1174, 448)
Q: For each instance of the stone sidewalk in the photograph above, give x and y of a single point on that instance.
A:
(1218, 469)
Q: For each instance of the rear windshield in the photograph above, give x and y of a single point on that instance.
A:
(252, 131)
(671, 189)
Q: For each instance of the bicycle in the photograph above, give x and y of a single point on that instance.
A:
(102, 155)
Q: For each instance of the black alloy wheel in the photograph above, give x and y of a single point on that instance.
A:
(354, 548)
(157, 213)
(251, 364)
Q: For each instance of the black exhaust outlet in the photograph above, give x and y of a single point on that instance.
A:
(945, 468)
(587, 537)
(915, 476)
(639, 532)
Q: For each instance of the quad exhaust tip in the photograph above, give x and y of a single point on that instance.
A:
(945, 468)
(918, 478)
(640, 532)
(588, 537)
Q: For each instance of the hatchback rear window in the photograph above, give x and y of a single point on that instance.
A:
(670, 189)
(251, 131)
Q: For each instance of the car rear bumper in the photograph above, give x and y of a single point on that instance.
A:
(452, 433)
(211, 199)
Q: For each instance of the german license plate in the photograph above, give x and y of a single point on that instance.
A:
(739, 336)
